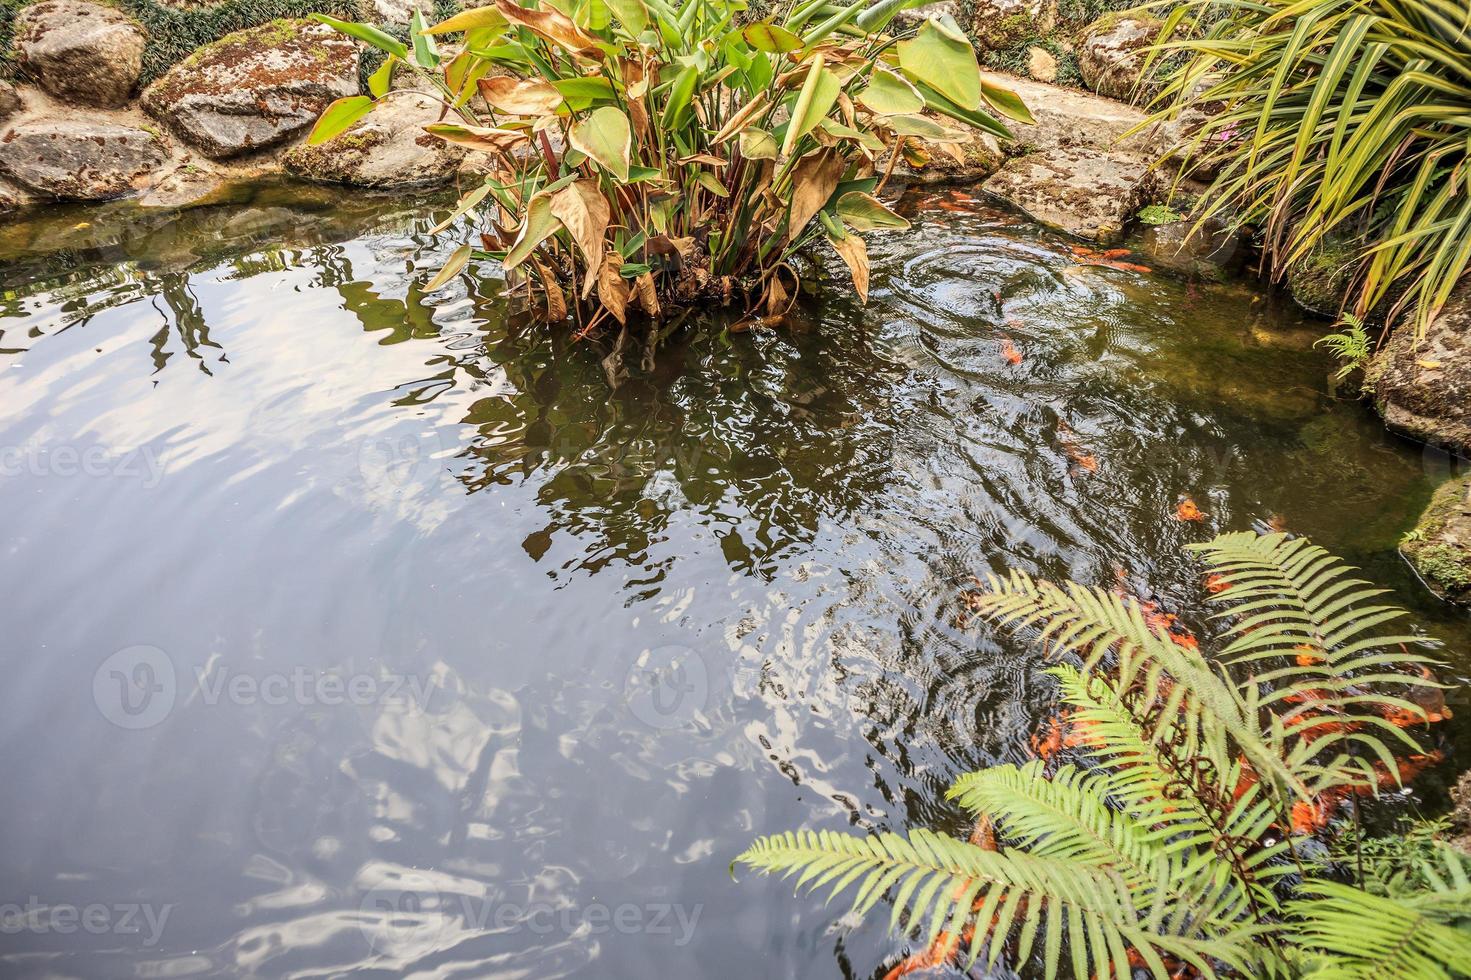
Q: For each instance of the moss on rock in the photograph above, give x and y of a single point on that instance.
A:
(1321, 280)
(1440, 545)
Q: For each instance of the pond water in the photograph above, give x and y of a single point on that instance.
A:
(349, 629)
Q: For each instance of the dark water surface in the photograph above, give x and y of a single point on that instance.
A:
(353, 630)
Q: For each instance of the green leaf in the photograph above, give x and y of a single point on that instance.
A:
(770, 38)
(606, 137)
(680, 95)
(382, 80)
(581, 93)
(758, 144)
(457, 261)
(888, 94)
(944, 60)
(1006, 102)
(426, 52)
(632, 14)
(338, 117)
(983, 121)
(864, 212)
(819, 93)
(368, 33)
(708, 181)
(539, 225)
(487, 18)
(918, 126)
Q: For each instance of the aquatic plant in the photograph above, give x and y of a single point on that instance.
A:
(1346, 118)
(1178, 843)
(650, 157)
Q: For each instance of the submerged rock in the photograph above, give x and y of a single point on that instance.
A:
(1424, 390)
(256, 88)
(387, 148)
(1111, 55)
(81, 52)
(1440, 545)
(80, 161)
(1209, 251)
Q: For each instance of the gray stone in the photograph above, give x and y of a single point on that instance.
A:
(256, 88)
(186, 186)
(81, 52)
(1007, 23)
(1083, 192)
(1110, 56)
(10, 100)
(79, 161)
(387, 148)
(1423, 389)
(976, 157)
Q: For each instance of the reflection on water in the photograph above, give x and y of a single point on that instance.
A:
(352, 629)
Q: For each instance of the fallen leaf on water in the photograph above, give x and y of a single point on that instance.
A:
(1187, 511)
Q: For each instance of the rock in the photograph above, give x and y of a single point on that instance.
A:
(1069, 118)
(1320, 281)
(1209, 251)
(256, 88)
(1440, 545)
(1461, 813)
(1110, 55)
(399, 11)
(1041, 65)
(1007, 23)
(79, 161)
(81, 52)
(12, 197)
(10, 100)
(387, 148)
(908, 20)
(1424, 391)
(979, 156)
(1080, 191)
(188, 185)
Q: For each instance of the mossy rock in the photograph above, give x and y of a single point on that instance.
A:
(1320, 282)
(1440, 545)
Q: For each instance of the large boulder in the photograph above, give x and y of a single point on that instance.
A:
(387, 148)
(1076, 168)
(256, 88)
(1423, 389)
(79, 161)
(10, 101)
(1085, 193)
(1111, 55)
(81, 52)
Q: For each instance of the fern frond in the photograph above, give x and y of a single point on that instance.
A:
(1349, 934)
(1186, 694)
(952, 885)
(1291, 599)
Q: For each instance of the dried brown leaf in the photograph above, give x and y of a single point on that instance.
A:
(584, 212)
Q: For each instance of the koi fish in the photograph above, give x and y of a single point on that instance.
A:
(1188, 511)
